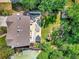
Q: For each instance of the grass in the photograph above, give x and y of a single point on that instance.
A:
(5, 51)
(45, 32)
(43, 55)
(2, 41)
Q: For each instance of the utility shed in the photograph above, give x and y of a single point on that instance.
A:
(5, 4)
(18, 30)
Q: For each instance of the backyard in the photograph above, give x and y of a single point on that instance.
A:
(50, 28)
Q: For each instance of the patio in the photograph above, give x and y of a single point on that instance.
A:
(26, 54)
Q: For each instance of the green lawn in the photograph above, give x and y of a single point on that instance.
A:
(5, 51)
(45, 32)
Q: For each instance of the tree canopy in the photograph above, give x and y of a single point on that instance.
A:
(51, 5)
(29, 4)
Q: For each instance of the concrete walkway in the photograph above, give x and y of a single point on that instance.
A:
(27, 54)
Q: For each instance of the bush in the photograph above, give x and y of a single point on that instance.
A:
(2, 42)
(66, 51)
(5, 51)
(17, 6)
(43, 55)
(48, 20)
(3, 30)
(5, 12)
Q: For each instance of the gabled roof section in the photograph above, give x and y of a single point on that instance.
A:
(18, 30)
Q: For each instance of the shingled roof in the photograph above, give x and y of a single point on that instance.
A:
(18, 30)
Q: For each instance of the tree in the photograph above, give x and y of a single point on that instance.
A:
(65, 38)
(55, 54)
(51, 5)
(5, 51)
(46, 20)
(73, 12)
(69, 30)
(29, 4)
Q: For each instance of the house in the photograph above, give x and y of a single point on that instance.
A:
(22, 30)
(5, 4)
(18, 30)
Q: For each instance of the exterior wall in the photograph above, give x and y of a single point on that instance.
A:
(33, 32)
(7, 6)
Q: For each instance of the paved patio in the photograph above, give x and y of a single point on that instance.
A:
(27, 54)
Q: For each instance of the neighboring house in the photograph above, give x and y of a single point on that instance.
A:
(5, 4)
(18, 30)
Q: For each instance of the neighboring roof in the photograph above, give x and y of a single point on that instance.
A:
(18, 30)
(4, 1)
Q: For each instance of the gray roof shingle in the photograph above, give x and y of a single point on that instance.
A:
(18, 30)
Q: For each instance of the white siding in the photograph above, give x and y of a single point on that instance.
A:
(3, 21)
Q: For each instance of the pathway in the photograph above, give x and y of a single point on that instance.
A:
(27, 54)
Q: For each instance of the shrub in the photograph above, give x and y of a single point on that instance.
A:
(48, 20)
(3, 29)
(5, 51)
(17, 6)
(5, 12)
